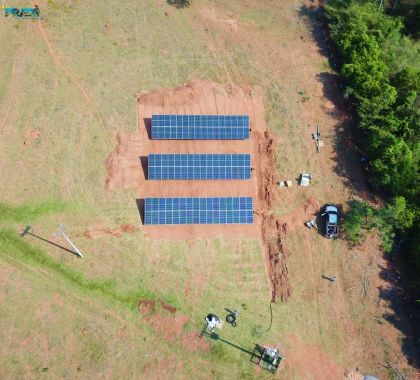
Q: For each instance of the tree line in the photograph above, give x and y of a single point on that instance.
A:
(379, 52)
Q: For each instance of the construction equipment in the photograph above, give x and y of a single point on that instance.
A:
(311, 224)
(331, 221)
(60, 232)
(287, 183)
(267, 358)
(212, 322)
(305, 179)
(329, 278)
(317, 137)
(22, 12)
(231, 317)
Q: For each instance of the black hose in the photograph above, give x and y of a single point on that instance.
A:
(271, 321)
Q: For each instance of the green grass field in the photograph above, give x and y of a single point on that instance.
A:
(65, 317)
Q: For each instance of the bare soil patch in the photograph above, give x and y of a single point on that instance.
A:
(127, 167)
(31, 135)
(97, 231)
(146, 306)
(310, 360)
(170, 326)
(165, 319)
(168, 307)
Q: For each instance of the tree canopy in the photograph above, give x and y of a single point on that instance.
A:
(381, 72)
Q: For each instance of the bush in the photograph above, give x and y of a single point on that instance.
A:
(387, 220)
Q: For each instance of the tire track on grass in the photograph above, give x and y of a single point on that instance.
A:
(85, 94)
(95, 306)
(78, 84)
(308, 249)
(58, 62)
(39, 272)
(16, 59)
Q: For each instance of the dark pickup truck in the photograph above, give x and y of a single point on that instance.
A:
(331, 221)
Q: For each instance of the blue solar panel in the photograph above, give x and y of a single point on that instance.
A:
(199, 166)
(228, 210)
(200, 127)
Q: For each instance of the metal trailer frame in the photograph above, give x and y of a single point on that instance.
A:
(261, 358)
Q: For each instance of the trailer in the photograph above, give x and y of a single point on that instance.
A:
(267, 358)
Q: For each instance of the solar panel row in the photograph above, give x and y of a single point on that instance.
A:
(199, 166)
(229, 210)
(200, 127)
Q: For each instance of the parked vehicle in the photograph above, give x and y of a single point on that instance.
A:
(331, 221)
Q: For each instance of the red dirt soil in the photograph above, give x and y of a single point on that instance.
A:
(126, 167)
(170, 324)
(311, 361)
(97, 231)
(31, 135)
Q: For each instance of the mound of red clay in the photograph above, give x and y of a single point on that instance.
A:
(146, 306)
(168, 307)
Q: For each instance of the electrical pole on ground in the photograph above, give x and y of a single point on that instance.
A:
(60, 231)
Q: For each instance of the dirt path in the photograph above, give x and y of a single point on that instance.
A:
(58, 62)
(16, 60)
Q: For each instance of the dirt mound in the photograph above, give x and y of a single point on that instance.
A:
(127, 167)
(168, 307)
(272, 234)
(127, 228)
(272, 229)
(146, 306)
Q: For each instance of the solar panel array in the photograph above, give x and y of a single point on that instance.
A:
(199, 166)
(200, 127)
(230, 210)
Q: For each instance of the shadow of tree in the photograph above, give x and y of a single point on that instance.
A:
(401, 316)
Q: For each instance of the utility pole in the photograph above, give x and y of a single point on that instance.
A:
(60, 231)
